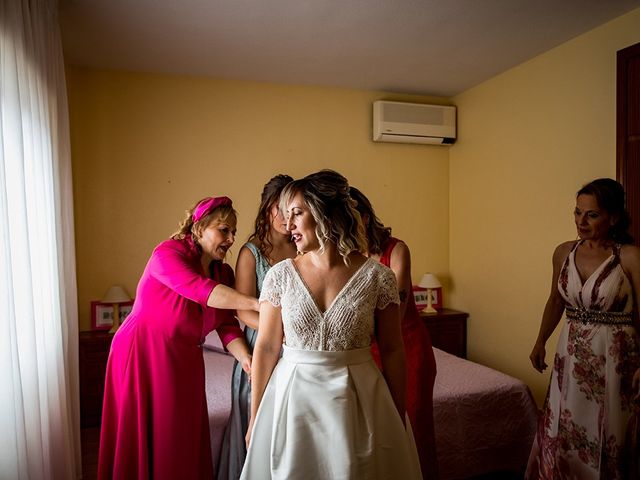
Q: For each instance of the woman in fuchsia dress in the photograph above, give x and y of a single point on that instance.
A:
(154, 419)
(421, 363)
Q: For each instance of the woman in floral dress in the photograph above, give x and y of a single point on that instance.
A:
(596, 369)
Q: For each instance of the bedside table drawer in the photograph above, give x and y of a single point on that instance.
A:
(448, 330)
(93, 351)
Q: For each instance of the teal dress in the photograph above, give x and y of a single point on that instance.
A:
(234, 449)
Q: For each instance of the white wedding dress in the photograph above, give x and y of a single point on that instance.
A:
(327, 412)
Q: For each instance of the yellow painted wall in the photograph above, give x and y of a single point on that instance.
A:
(484, 215)
(145, 147)
(528, 139)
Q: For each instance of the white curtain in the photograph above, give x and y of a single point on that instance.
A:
(39, 412)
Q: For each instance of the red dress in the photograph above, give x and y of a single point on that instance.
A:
(154, 418)
(421, 376)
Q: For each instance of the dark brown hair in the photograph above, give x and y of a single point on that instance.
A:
(377, 234)
(610, 197)
(270, 196)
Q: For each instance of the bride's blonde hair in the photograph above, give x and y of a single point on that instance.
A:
(326, 193)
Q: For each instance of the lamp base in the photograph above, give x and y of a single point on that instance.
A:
(116, 319)
(428, 310)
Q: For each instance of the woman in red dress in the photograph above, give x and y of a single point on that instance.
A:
(421, 363)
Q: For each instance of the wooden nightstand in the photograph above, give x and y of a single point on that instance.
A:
(93, 351)
(448, 330)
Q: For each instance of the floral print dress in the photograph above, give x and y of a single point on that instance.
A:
(581, 433)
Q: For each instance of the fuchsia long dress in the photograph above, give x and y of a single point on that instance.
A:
(421, 377)
(154, 418)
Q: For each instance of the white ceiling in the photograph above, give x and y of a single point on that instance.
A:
(429, 47)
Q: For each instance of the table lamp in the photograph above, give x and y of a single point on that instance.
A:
(429, 281)
(115, 296)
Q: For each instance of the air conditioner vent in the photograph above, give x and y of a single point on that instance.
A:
(402, 122)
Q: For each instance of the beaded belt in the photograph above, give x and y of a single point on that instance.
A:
(595, 316)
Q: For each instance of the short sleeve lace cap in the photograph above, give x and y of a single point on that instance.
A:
(273, 285)
(387, 288)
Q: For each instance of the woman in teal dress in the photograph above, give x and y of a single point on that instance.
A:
(269, 244)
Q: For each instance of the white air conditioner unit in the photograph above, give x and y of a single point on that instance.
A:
(402, 122)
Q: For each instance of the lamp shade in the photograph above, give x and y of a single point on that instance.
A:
(429, 280)
(116, 294)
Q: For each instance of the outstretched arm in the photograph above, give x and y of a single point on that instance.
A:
(553, 310)
(227, 298)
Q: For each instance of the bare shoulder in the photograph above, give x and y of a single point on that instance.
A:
(400, 248)
(561, 252)
(563, 249)
(245, 259)
(400, 254)
(245, 250)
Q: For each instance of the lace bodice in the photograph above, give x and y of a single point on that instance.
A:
(347, 323)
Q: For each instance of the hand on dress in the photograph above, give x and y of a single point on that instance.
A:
(245, 363)
(537, 357)
(247, 437)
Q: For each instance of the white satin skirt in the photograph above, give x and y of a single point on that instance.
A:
(329, 415)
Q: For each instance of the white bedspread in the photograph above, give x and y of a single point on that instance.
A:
(484, 420)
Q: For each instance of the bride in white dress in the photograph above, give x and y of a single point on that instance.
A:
(324, 411)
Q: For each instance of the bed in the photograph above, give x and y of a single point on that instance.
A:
(484, 420)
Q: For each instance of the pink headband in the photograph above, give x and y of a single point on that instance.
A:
(206, 206)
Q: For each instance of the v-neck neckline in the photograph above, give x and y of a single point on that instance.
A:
(583, 282)
(338, 295)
